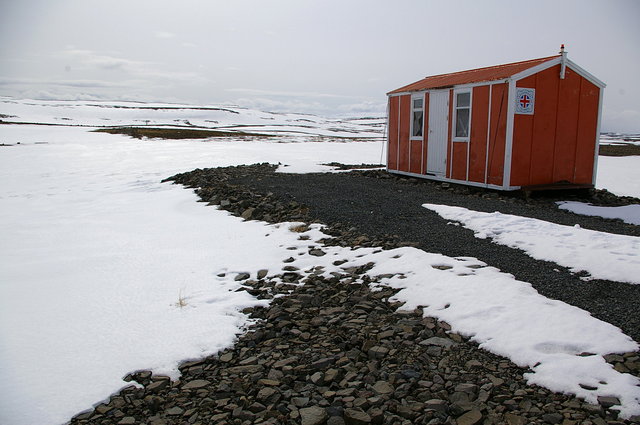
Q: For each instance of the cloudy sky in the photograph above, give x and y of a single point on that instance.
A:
(329, 57)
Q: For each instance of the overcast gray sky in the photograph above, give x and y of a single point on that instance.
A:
(327, 56)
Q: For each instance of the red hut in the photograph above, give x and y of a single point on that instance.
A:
(514, 126)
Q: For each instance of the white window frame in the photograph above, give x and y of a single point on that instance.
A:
(454, 121)
(419, 96)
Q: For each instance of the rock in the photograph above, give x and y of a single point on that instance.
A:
(248, 213)
(262, 273)
(127, 420)
(335, 420)
(323, 363)
(252, 368)
(300, 401)
(439, 342)
(356, 417)
(314, 415)
(382, 387)
(317, 252)
(195, 384)
(242, 276)
(607, 402)
(552, 418)
(436, 405)
(174, 411)
(226, 357)
(513, 419)
(470, 418)
(377, 352)
(265, 394)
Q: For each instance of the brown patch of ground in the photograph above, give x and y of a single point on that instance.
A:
(621, 149)
(175, 133)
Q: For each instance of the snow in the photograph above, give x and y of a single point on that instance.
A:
(96, 253)
(602, 255)
(627, 213)
(290, 127)
(619, 175)
(97, 256)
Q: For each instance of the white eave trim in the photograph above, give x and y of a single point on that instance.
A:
(456, 87)
(553, 62)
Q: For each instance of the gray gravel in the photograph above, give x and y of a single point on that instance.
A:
(376, 205)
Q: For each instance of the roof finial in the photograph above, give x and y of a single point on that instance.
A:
(563, 61)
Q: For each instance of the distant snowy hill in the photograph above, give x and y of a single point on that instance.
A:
(297, 127)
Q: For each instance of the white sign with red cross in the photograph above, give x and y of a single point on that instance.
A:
(525, 100)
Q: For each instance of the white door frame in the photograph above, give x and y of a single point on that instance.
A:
(438, 132)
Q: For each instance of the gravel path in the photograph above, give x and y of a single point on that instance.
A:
(333, 352)
(376, 205)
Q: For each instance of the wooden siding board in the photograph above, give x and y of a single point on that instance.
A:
(478, 139)
(415, 165)
(564, 156)
(497, 134)
(403, 143)
(392, 129)
(522, 141)
(587, 131)
(459, 161)
(544, 126)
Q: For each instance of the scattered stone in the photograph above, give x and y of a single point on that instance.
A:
(356, 417)
(242, 276)
(470, 418)
(513, 419)
(196, 384)
(607, 402)
(382, 387)
(313, 415)
(317, 252)
(552, 418)
(440, 342)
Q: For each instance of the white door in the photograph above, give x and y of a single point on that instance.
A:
(438, 131)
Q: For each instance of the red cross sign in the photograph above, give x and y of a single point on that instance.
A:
(525, 99)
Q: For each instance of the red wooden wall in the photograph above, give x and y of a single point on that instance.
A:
(470, 161)
(556, 143)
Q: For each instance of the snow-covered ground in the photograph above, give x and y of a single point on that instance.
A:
(104, 270)
(295, 127)
(619, 175)
(627, 213)
(602, 255)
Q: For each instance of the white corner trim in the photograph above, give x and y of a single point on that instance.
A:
(597, 152)
(486, 152)
(585, 74)
(535, 69)
(553, 62)
(508, 142)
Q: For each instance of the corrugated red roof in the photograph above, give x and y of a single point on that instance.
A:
(490, 73)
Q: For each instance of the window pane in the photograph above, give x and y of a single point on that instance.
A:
(462, 99)
(417, 103)
(462, 122)
(417, 124)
